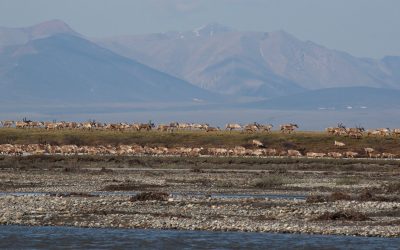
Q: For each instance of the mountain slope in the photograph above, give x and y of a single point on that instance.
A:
(19, 36)
(393, 64)
(252, 63)
(65, 68)
(212, 58)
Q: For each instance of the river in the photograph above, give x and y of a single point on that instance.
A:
(25, 237)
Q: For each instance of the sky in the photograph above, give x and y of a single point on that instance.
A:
(364, 28)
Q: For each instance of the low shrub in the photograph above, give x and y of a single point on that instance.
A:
(74, 194)
(196, 170)
(347, 181)
(150, 196)
(270, 181)
(366, 195)
(339, 196)
(335, 196)
(316, 199)
(392, 187)
(349, 215)
(105, 170)
(129, 186)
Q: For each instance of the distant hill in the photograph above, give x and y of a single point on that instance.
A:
(393, 64)
(351, 98)
(65, 68)
(266, 64)
(19, 36)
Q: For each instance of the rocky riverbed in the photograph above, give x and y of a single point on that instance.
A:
(194, 213)
(352, 201)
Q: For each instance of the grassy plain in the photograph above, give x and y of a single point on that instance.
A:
(302, 141)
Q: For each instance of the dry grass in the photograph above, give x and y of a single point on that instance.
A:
(303, 141)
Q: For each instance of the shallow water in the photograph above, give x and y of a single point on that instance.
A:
(17, 237)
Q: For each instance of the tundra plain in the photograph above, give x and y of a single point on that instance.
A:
(358, 196)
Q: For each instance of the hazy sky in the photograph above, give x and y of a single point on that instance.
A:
(369, 28)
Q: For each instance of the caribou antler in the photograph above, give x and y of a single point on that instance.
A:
(360, 128)
(340, 125)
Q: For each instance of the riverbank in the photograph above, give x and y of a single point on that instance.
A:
(213, 194)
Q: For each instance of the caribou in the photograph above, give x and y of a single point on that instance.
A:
(339, 144)
(293, 153)
(252, 127)
(212, 129)
(232, 126)
(288, 128)
(146, 126)
(266, 127)
(350, 154)
(379, 132)
(7, 124)
(315, 155)
(335, 154)
(21, 124)
(130, 150)
(388, 155)
(257, 143)
(369, 151)
(396, 131)
(164, 127)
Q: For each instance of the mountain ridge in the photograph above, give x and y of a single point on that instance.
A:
(22, 35)
(277, 56)
(68, 68)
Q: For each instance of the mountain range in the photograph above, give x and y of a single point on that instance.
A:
(265, 64)
(52, 63)
(58, 66)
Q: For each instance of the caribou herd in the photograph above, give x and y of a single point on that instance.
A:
(340, 130)
(123, 126)
(359, 131)
(257, 148)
